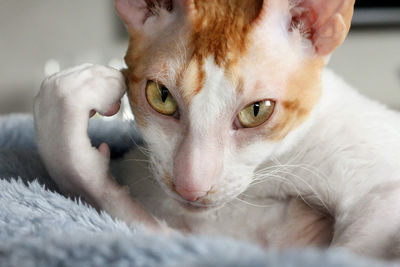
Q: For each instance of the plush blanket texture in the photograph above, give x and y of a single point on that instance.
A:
(40, 227)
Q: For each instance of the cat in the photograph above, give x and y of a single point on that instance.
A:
(244, 127)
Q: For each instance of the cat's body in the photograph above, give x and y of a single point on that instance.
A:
(348, 155)
(233, 102)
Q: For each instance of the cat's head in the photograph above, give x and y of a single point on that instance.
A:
(217, 87)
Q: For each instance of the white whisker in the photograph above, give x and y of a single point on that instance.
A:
(315, 193)
(252, 204)
(284, 180)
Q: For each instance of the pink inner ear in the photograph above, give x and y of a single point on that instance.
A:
(136, 12)
(326, 23)
(133, 12)
(303, 18)
(187, 6)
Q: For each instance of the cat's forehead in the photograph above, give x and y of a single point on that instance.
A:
(221, 28)
(228, 34)
(226, 31)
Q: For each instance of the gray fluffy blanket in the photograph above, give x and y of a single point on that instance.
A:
(40, 227)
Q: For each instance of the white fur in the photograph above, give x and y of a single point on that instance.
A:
(214, 102)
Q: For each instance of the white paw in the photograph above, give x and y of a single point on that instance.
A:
(61, 112)
(84, 87)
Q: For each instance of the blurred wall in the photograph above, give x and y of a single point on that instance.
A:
(34, 32)
(47, 34)
(369, 59)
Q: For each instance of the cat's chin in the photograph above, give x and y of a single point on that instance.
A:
(193, 208)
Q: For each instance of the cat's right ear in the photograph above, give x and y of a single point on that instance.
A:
(326, 22)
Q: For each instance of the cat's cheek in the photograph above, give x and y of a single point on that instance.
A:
(234, 179)
(230, 187)
(252, 146)
(161, 146)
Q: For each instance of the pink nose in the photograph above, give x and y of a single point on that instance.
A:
(191, 196)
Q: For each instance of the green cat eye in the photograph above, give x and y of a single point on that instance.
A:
(160, 99)
(256, 114)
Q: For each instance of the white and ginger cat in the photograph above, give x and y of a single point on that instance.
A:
(240, 118)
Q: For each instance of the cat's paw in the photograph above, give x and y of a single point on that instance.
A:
(84, 88)
(61, 110)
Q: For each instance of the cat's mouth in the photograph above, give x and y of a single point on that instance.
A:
(197, 207)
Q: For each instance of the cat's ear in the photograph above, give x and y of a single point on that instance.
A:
(325, 22)
(135, 13)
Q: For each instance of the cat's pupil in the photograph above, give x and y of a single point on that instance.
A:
(164, 94)
(256, 108)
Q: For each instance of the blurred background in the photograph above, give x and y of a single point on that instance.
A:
(41, 37)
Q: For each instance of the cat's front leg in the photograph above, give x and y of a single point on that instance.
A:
(297, 226)
(371, 225)
(62, 109)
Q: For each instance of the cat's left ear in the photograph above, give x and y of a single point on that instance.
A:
(137, 14)
(133, 12)
(327, 22)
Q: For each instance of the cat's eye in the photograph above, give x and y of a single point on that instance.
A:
(256, 113)
(160, 99)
